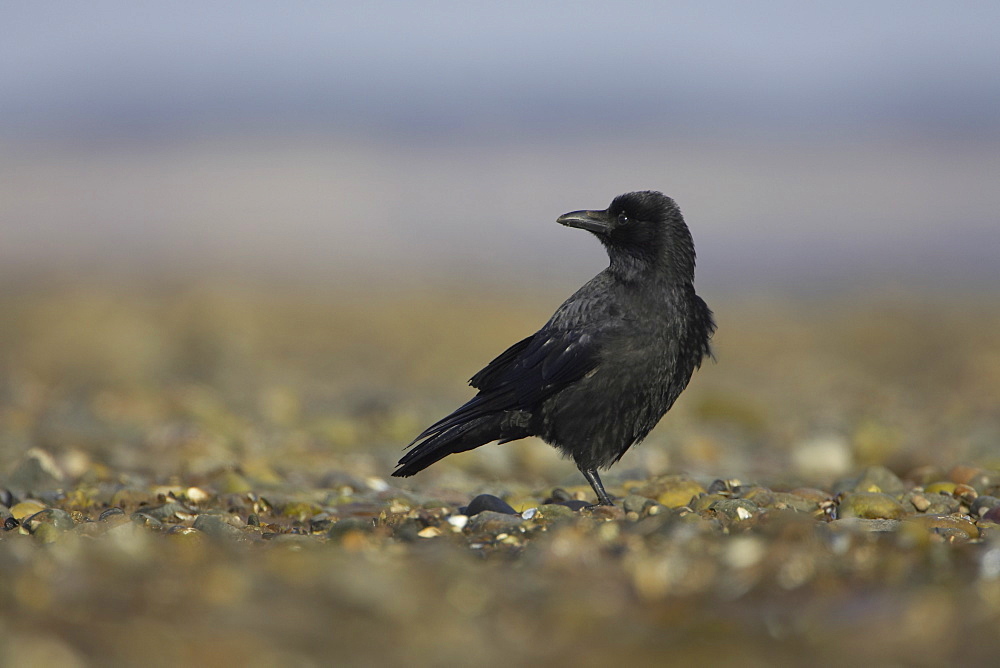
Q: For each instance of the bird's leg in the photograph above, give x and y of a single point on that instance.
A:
(595, 481)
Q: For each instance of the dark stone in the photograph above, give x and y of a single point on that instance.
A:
(147, 521)
(489, 521)
(167, 511)
(872, 479)
(58, 518)
(982, 504)
(217, 526)
(992, 515)
(558, 496)
(349, 524)
(574, 504)
(111, 512)
(487, 502)
(633, 503)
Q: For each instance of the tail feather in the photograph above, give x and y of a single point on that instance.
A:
(436, 445)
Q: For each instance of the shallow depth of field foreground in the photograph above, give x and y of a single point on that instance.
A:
(198, 474)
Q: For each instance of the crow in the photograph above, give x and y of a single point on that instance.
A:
(609, 363)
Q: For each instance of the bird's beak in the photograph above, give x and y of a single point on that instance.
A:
(592, 221)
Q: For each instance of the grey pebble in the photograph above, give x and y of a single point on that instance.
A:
(489, 521)
(111, 512)
(217, 527)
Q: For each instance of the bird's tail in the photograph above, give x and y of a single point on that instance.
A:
(434, 445)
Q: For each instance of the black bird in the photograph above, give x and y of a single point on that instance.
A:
(609, 363)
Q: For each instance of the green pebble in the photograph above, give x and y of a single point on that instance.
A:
(871, 506)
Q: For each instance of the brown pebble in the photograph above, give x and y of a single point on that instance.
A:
(948, 525)
(920, 502)
(962, 473)
(966, 493)
(607, 513)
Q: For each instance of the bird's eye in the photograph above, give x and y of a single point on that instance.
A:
(622, 219)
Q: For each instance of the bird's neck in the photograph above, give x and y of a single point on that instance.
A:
(638, 267)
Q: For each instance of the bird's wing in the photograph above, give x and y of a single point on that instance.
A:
(488, 375)
(525, 374)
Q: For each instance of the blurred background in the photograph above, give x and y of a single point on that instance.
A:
(303, 227)
(249, 250)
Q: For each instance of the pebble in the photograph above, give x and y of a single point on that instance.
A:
(634, 503)
(869, 526)
(142, 519)
(734, 511)
(25, 509)
(934, 504)
(488, 502)
(946, 525)
(492, 522)
(871, 479)
(110, 512)
(992, 515)
(982, 504)
(871, 506)
(218, 527)
(553, 511)
(607, 512)
(349, 524)
(58, 518)
(941, 487)
(671, 491)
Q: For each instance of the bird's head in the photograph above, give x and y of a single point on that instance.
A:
(642, 231)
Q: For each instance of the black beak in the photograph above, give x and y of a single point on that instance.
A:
(592, 221)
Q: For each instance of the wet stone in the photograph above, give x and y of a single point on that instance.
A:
(574, 504)
(167, 511)
(871, 506)
(487, 502)
(734, 511)
(489, 521)
(606, 512)
(634, 503)
(59, 519)
(947, 525)
(217, 527)
(702, 503)
(765, 498)
(941, 487)
(348, 524)
(26, 509)
(982, 504)
(559, 495)
(132, 498)
(934, 504)
(148, 521)
(992, 515)
(674, 492)
(553, 511)
(868, 526)
(920, 502)
(110, 512)
(871, 479)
